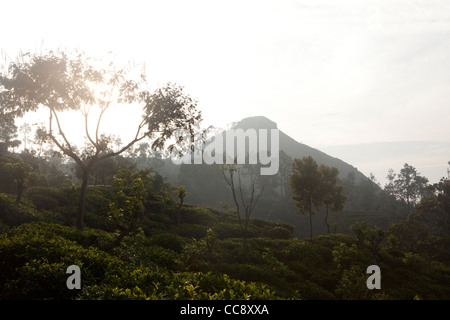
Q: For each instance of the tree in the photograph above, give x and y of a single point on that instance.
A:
(370, 238)
(283, 173)
(448, 170)
(40, 139)
(314, 187)
(389, 188)
(244, 200)
(127, 206)
(181, 195)
(333, 197)
(25, 129)
(350, 189)
(18, 172)
(60, 82)
(8, 130)
(305, 181)
(410, 186)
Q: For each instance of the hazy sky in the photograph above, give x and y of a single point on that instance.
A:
(364, 81)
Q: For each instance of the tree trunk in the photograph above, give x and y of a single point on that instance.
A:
(310, 225)
(81, 204)
(326, 221)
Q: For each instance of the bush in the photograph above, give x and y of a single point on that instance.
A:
(226, 230)
(34, 260)
(14, 214)
(44, 198)
(168, 241)
(277, 233)
(176, 286)
(3, 227)
(140, 251)
(197, 215)
(191, 231)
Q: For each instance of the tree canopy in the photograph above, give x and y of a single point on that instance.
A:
(60, 81)
(314, 187)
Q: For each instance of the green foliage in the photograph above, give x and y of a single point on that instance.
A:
(127, 205)
(203, 257)
(45, 198)
(142, 251)
(189, 230)
(33, 258)
(196, 215)
(228, 230)
(315, 187)
(178, 286)
(14, 214)
(168, 241)
(15, 174)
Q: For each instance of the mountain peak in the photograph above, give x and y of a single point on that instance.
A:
(257, 122)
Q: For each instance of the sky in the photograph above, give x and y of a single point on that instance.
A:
(365, 81)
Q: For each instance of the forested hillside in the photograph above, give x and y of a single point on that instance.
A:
(142, 240)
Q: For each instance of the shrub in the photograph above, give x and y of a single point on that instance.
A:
(144, 283)
(197, 215)
(34, 256)
(44, 198)
(168, 241)
(3, 227)
(277, 233)
(14, 214)
(191, 231)
(226, 230)
(140, 251)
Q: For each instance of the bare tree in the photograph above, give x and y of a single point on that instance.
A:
(245, 201)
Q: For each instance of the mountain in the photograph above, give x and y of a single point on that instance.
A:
(296, 149)
(206, 186)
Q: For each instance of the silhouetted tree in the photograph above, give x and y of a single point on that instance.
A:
(305, 181)
(332, 193)
(283, 173)
(410, 186)
(245, 200)
(8, 130)
(18, 171)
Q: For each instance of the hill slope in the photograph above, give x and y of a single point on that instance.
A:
(296, 149)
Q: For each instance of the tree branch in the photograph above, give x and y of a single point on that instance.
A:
(136, 139)
(86, 128)
(69, 152)
(103, 111)
(60, 130)
(98, 124)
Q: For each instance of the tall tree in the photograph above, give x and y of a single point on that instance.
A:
(8, 130)
(332, 193)
(59, 82)
(244, 198)
(305, 181)
(410, 186)
(389, 188)
(18, 172)
(283, 173)
(350, 189)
